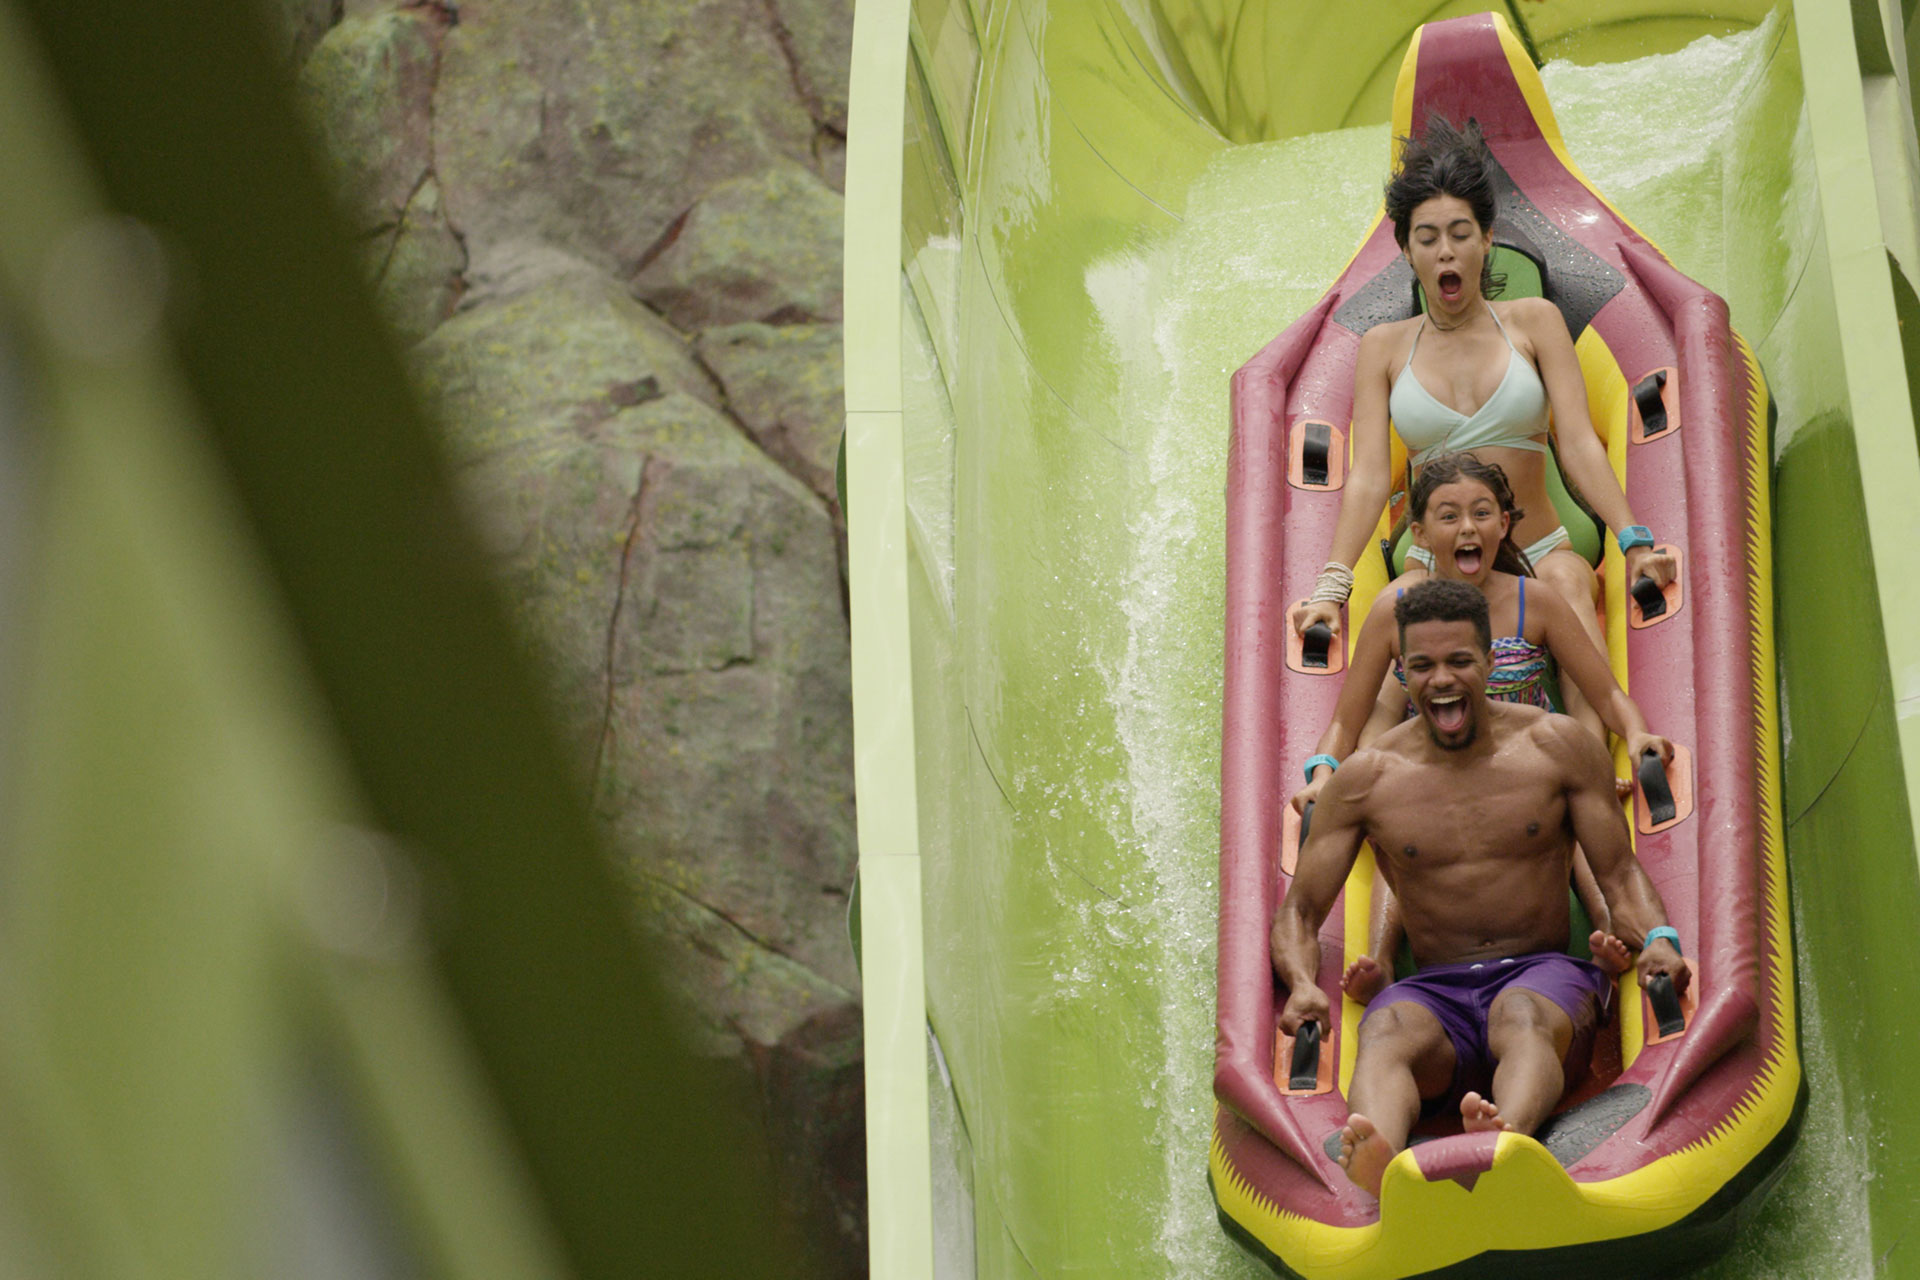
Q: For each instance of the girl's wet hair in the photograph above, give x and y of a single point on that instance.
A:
(1446, 160)
(1449, 468)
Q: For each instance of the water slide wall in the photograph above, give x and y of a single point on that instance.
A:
(1103, 208)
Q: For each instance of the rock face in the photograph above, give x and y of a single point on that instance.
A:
(687, 587)
(763, 247)
(593, 125)
(368, 87)
(419, 271)
(815, 40)
(786, 386)
(610, 233)
(297, 25)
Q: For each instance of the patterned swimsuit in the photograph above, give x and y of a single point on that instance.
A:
(1519, 668)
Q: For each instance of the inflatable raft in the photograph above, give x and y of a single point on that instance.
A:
(1681, 1123)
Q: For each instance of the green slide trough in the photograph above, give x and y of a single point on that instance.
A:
(1102, 208)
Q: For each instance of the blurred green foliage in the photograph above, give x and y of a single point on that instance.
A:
(313, 963)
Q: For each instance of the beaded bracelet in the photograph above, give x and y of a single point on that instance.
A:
(1334, 584)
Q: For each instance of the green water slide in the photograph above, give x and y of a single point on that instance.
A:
(1103, 208)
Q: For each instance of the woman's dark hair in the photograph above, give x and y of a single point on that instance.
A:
(1450, 467)
(1446, 160)
(1443, 600)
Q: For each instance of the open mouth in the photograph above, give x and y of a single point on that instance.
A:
(1448, 712)
(1468, 560)
(1449, 283)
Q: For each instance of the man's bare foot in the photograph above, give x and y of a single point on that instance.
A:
(1609, 952)
(1622, 788)
(1364, 1154)
(1364, 979)
(1479, 1115)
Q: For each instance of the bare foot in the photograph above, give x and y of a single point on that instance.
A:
(1363, 979)
(1609, 952)
(1479, 1115)
(1622, 788)
(1364, 1154)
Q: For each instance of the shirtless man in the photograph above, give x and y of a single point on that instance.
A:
(1474, 810)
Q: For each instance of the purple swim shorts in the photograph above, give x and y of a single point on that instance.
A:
(1460, 996)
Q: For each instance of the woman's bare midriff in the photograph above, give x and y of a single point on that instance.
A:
(1527, 473)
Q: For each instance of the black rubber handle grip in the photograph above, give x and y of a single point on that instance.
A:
(1647, 594)
(1653, 410)
(1304, 1073)
(1666, 1007)
(1314, 451)
(1314, 644)
(1306, 821)
(1655, 787)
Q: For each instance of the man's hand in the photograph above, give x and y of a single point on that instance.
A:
(1660, 957)
(1311, 792)
(1326, 857)
(1306, 1003)
(1645, 561)
(1306, 615)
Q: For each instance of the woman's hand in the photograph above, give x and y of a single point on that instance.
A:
(1646, 562)
(1308, 614)
(1638, 744)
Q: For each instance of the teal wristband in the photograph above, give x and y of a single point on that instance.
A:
(1635, 535)
(1662, 932)
(1314, 762)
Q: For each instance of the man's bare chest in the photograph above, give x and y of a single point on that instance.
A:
(1494, 815)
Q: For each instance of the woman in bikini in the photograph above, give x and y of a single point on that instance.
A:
(1474, 374)
(1463, 514)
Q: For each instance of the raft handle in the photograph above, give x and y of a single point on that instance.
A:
(1306, 820)
(1653, 784)
(1315, 653)
(1652, 405)
(1667, 1014)
(1314, 645)
(1315, 452)
(1304, 1074)
(1648, 595)
(1316, 456)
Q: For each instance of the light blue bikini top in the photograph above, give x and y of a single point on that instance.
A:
(1512, 416)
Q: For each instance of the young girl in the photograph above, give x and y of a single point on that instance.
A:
(1463, 513)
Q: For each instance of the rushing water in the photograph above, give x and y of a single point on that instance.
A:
(1265, 228)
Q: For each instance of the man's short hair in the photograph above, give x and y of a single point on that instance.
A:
(1443, 600)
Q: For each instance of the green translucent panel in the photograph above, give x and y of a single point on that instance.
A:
(1847, 835)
